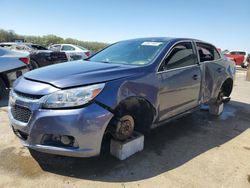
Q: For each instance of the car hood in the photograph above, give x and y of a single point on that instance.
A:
(79, 73)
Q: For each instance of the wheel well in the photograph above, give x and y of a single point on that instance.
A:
(142, 111)
(227, 87)
(34, 60)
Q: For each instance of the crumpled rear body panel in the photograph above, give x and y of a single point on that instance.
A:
(214, 75)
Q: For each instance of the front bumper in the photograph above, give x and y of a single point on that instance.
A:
(86, 125)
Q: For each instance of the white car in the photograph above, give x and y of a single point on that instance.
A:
(73, 52)
(12, 65)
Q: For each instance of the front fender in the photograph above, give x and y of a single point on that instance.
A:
(119, 90)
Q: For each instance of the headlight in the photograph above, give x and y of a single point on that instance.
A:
(72, 97)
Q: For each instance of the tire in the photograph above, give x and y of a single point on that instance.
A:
(34, 65)
(3, 90)
(243, 66)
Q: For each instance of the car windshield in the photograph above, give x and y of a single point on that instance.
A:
(129, 52)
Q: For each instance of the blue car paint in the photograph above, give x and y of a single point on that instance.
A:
(169, 93)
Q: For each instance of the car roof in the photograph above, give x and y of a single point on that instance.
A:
(164, 39)
(16, 43)
(8, 43)
(8, 51)
(65, 44)
(238, 51)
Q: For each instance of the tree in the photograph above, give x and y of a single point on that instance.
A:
(9, 36)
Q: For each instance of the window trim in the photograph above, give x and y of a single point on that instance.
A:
(168, 53)
(198, 55)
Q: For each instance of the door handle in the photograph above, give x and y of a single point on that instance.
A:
(195, 77)
(219, 70)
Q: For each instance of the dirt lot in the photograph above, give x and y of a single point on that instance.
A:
(198, 150)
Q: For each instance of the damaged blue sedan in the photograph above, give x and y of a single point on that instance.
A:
(134, 85)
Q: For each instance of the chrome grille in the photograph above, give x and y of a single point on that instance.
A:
(28, 96)
(20, 113)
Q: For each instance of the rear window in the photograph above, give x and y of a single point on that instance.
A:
(181, 55)
(55, 47)
(237, 53)
(38, 47)
(68, 48)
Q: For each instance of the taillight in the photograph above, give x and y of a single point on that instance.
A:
(87, 53)
(25, 60)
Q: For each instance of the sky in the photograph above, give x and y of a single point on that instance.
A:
(225, 23)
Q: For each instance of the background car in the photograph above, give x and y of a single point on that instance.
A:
(39, 55)
(73, 52)
(12, 65)
(239, 57)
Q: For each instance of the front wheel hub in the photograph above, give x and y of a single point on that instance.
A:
(220, 97)
(124, 127)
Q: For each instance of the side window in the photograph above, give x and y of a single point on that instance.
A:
(67, 48)
(55, 47)
(181, 55)
(207, 52)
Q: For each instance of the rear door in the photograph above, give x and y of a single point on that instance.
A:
(180, 80)
(213, 69)
(70, 51)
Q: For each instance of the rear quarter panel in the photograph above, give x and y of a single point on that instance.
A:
(213, 79)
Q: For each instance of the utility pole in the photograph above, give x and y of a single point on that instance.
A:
(248, 74)
(248, 68)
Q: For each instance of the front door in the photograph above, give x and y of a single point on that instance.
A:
(180, 80)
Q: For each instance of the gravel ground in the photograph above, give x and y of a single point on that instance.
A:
(198, 150)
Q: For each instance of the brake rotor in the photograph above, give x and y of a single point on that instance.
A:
(124, 127)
